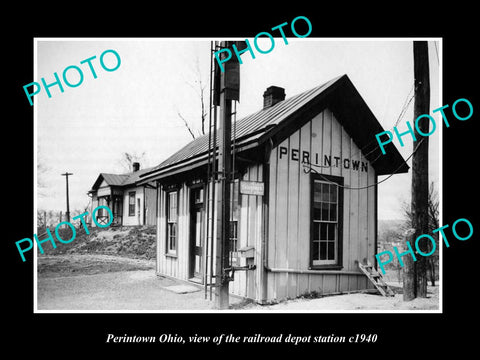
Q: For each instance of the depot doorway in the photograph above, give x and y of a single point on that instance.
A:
(197, 217)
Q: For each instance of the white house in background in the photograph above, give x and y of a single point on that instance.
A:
(131, 204)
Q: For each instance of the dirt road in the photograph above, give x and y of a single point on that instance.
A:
(121, 290)
(104, 282)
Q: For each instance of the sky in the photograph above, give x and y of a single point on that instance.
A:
(86, 129)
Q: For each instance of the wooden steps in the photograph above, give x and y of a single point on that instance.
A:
(376, 278)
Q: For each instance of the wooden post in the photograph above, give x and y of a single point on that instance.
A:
(409, 289)
(420, 162)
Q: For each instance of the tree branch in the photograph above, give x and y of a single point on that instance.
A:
(186, 124)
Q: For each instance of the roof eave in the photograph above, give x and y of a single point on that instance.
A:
(390, 163)
(189, 164)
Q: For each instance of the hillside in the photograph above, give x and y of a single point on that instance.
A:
(136, 242)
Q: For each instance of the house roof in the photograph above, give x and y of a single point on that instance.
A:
(114, 179)
(338, 94)
(127, 179)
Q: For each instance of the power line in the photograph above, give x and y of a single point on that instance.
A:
(362, 187)
(405, 106)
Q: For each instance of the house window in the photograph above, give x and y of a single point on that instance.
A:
(172, 222)
(327, 213)
(131, 203)
(101, 213)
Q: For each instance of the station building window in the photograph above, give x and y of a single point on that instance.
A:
(172, 219)
(326, 222)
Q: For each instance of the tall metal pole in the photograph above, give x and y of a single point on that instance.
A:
(229, 90)
(223, 200)
(68, 201)
(420, 162)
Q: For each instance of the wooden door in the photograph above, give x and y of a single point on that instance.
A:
(197, 215)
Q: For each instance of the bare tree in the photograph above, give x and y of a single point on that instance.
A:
(41, 221)
(186, 124)
(433, 223)
(128, 159)
(199, 87)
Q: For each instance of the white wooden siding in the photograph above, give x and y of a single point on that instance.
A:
(288, 225)
(249, 234)
(289, 211)
(133, 220)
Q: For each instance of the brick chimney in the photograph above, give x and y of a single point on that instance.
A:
(136, 166)
(273, 95)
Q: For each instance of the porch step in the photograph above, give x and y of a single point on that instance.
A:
(182, 289)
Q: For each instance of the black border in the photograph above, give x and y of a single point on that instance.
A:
(419, 334)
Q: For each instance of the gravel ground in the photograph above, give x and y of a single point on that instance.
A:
(121, 290)
(97, 282)
(103, 282)
(358, 301)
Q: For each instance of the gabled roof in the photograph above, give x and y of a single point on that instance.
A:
(114, 179)
(338, 94)
(127, 179)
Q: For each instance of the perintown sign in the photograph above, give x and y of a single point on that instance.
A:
(315, 159)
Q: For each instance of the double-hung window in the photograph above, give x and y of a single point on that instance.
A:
(172, 219)
(327, 213)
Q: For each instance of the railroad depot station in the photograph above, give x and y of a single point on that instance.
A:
(303, 197)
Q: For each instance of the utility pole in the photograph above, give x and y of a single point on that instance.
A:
(420, 163)
(67, 214)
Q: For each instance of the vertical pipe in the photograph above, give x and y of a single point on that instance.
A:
(213, 182)
(207, 189)
(223, 201)
(213, 187)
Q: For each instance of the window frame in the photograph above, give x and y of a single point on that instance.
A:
(169, 250)
(233, 238)
(234, 218)
(131, 194)
(101, 201)
(338, 180)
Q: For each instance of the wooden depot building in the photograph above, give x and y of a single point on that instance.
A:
(304, 199)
